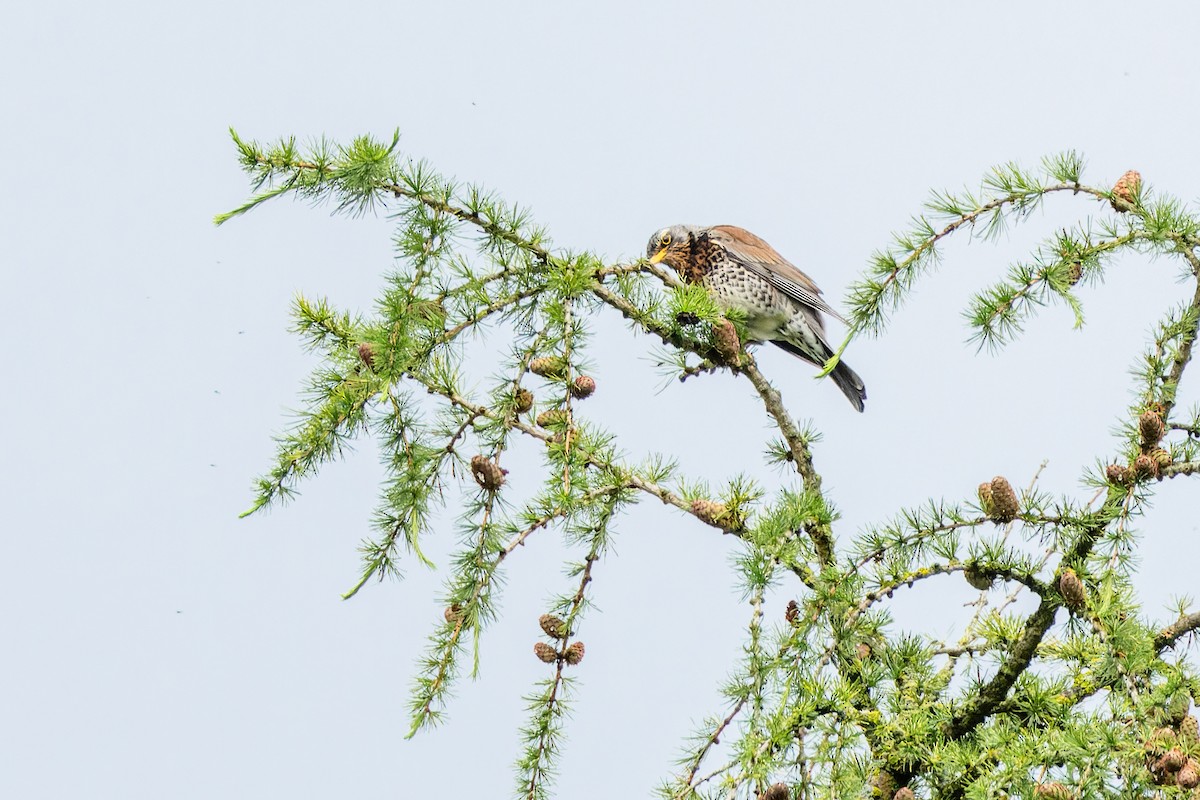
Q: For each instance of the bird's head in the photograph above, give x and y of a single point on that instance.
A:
(672, 245)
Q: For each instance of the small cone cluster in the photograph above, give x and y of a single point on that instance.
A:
(487, 473)
(1126, 190)
(1071, 588)
(1153, 458)
(998, 500)
(1167, 749)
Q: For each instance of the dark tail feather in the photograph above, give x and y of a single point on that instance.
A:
(851, 385)
(846, 379)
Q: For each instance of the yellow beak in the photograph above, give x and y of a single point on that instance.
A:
(659, 256)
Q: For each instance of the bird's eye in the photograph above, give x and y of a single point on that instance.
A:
(665, 239)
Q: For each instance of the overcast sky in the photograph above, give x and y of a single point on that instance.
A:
(157, 646)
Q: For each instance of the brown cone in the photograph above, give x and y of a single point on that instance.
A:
(554, 627)
(366, 354)
(1072, 591)
(1151, 429)
(487, 472)
(776, 791)
(1144, 467)
(1189, 775)
(522, 400)
(453, 613)
(1161, 457)
(545, 652)
(574, 653)
(985, 497)
(583, 386)
(1161, 740)
(904, 793)
(1117, 475)
(1004, 500)
(711, 512)
(793, 612)
(1126, 190)
(726, 342)
(1172, 761)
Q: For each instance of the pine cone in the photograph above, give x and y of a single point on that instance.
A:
(711, 512)
(453, 613)
(545, 652)
(776, 791)
(793, 612)
(487, 472)
(1189, 728)
(1003, 501)
(1161, 740)
(1072, 591)
(862, 650)
(366, 354)
(554, 627)
(1172, 761)
(985, 498)
(1151, 429)
(583, 386)
(548, 366)
(1052, 791)
(1126, 190)
(1161, 457)
(552, 418)
(904, 793)
(574, 653)
(1144, 467)
(522, 400)
(726, 342)
(883, 784)
(977, 578)
(1177, 707)
(1117, 475)
(1074, 273)
(1189, 776)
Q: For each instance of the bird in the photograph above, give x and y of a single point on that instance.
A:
(741, 271)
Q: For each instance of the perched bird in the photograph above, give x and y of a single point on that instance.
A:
(741, 271)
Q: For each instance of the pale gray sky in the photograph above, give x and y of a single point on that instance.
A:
(156, 646)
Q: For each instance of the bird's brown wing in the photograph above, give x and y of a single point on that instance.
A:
(765, 261)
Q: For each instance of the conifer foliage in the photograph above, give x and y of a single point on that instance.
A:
(1084, 696)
